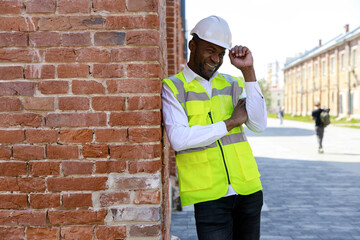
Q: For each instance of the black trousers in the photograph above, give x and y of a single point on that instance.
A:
(235, 217)
(319, 134)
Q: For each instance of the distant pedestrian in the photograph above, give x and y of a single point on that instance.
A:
(280, 115)
(319, 126)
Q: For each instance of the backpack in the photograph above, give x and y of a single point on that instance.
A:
(325, 117)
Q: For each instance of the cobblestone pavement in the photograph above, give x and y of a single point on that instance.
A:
(307, 195)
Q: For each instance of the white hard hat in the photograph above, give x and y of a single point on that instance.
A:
(214, 29)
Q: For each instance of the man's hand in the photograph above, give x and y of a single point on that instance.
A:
(241, 58)
(239, 116)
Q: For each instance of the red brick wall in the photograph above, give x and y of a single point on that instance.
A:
(80, 123)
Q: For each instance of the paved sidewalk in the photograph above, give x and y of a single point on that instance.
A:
(307, 195)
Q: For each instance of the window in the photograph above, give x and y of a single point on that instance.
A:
(342, 61)
(332, 64)
(354, 58)
(309, 72)
(316, 69)
(324, 67)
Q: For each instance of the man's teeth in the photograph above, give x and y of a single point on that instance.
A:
(211, 66)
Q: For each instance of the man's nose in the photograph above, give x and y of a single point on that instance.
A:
(215, 58)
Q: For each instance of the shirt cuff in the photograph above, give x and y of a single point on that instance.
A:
(221, 127)
(252, 89)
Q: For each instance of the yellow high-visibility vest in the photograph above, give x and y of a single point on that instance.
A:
(205, 172)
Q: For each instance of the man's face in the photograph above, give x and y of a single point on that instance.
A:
(205, 57)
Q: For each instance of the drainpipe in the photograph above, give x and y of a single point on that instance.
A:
(349, 78)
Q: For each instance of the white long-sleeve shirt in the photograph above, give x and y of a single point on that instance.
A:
(183, 137)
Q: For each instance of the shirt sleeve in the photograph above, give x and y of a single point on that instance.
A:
(180, 135)
(255, 107)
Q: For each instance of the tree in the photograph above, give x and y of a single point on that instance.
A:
(265, 89)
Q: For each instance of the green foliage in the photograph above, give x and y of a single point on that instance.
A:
(265, 89)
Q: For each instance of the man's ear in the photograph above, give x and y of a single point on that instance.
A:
(192, 45)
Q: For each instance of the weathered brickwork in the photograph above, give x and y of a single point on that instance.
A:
(81, 140)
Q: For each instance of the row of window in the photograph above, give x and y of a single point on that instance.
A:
(343, 64)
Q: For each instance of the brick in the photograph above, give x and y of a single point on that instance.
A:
(22, 217)
(140, 135)
(21, 55)
(40, 71)
(11, 72)
(74, 103)
(39, 103)
(133, 86)
(110, 166)
(110, 232)
(108, 71)
(76, 39)
(92, 55)
(95, 151)
(147, 197)
(77, 184)
(62, 152)
(44, 200)
(109, 38)
(5, 152)
(17, 88)
(66, 23)
(12, 136)
(44, 39)
(122, 183)
(41, 136)
(76, 135)
(13, 39)
(13, 169)
(144, 70)
(108, 199)
(72, 167)
(11, 232)
(108, 103)
(22, 24)
(20, 119)
(145, 230)
(149, 21)
(135, 152)
(144, 166)
(142, 6)
(28, 152)
(135, 54)
(40, 168)
(77, 200)
(11, 6)
(76, 216)
(112, 6)
(110, 135)
(76, 232)
(69, 6)
(41, 6)
(29, 184)
(60, 55)
(53, 87)
(13, 201)
(143, 37)
(134, 118)
(73, 70)
(75, 119)
(37, 233)
(87, 87)
(136, 214)
(144, 102)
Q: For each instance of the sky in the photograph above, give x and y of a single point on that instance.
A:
(276, 29)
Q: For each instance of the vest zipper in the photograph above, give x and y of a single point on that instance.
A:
(222, 153)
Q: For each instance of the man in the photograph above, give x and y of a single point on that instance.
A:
(203, 113)
(319, 126)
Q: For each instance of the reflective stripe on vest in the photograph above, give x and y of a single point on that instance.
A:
(204, 171)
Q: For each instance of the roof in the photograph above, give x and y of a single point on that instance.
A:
(338, 40)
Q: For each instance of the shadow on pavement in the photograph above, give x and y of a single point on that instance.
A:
(280, 132)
